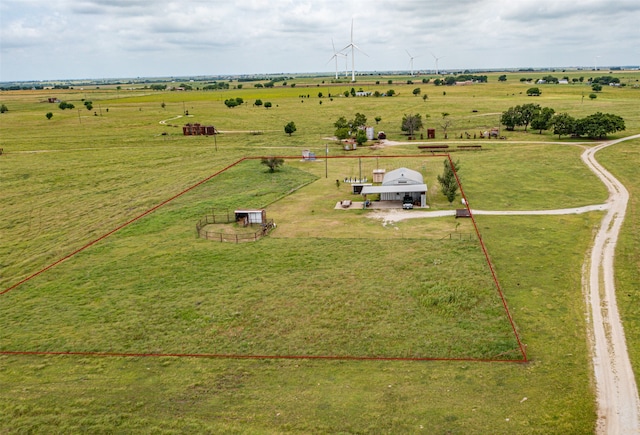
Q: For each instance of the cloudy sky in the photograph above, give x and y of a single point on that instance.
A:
(67, 39)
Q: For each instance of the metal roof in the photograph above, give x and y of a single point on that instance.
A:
(402, 188)
(405, 174)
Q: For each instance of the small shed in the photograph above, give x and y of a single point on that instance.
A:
(378, 175)
(258, 216)
(431, 133)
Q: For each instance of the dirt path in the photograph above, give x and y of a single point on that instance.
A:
(396, 215)
(616, 389)
(618, 404)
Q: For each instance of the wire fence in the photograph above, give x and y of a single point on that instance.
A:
(259, 230)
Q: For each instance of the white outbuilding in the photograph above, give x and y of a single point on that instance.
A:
(400, 184)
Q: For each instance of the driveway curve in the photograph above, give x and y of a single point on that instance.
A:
(618, 404)
(616, 389)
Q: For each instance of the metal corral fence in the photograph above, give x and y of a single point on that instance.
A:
(261, 230)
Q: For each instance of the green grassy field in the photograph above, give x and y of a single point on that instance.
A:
(325, 282)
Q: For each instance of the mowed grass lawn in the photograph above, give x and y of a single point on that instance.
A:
(155, 288)
(149, 287)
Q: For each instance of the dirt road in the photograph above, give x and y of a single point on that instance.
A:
(617, 392)
(616, 389)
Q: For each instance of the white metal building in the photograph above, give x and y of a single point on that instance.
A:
(398, 184)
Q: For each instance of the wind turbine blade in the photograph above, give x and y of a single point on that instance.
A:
(358, 48)
(352, 30)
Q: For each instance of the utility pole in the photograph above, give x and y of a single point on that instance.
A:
(326, 160)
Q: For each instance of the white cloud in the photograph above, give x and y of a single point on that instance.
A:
(106, 38)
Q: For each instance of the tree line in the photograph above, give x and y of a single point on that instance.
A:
(595, 126)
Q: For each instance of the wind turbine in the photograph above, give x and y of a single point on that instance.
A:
(353, 48)
(437, 59)
(335, 56)
(411, 61)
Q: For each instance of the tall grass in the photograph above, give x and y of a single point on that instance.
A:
(399, 290)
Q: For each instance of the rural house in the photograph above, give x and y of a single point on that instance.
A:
(398, 184)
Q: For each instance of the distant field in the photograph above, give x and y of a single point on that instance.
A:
(325, 282)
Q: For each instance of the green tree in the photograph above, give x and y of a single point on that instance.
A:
(390, 93)
(49, 115)
(361, 137)
(378, 119)
(231, 103)
(448, 182)
(267, 104)
(411, 123)
(510, 118)
(320, 95)
(3, 108)
(353, 92)
(599, 125)
(542, 121)
(562, 124)
(88, 105)
(596, 87)
(527, 113)
(239, 101)
(273, 163)
(593, 96)
(416, 91)
(534, 92)
(258, 103)
(502, 78)
(290, 128)
(359, 121)
(64, 105)
(341, 123)
(342, 133)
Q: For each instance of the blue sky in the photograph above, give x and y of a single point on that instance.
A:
(72, 39)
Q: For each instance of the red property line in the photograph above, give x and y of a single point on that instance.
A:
(151, 210)
(239, 356)
(233, 356)
(486, 255)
